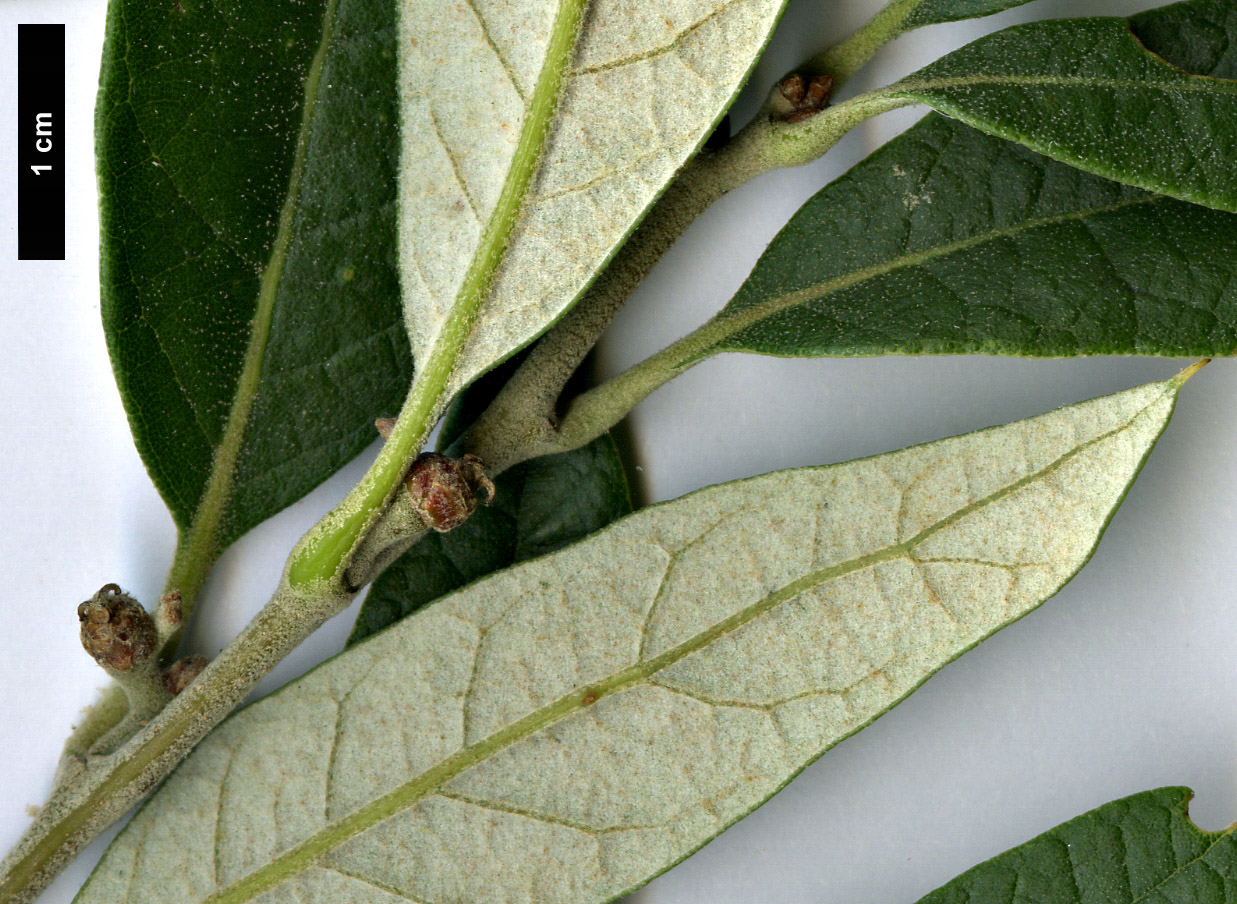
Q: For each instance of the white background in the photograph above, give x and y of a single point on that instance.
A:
(1125, 681)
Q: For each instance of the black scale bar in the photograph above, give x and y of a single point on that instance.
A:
(40, 136)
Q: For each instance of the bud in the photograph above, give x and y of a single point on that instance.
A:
(171, 608)
(444, 490)
(116, 630)
(806, 98)
(793, 88)
(182, 672)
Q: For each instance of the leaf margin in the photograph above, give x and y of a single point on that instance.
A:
(306, 855)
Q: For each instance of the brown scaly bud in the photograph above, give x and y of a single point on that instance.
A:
(793, 88)
(116, 630)
(180, 673)
(806, 97)
(384, 426)
(444, 490)
(818, 91)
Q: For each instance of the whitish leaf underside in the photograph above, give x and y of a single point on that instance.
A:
(644, 85)
(567, 729)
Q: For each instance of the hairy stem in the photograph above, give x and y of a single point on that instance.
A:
(109, 785)
(97, 721)
(145, 696)
(521, 417)
(520, 423)
(323, 555)
(846, 58)
(97, 790)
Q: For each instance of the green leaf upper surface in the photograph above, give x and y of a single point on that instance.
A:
(951, 241)
(510, 202)
(539, 506)
(246, 173)
(1142, 848)
(933, 12)
(1197, 36)
(567, 729)
(1087, 93)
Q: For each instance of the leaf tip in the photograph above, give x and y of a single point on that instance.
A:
(1181, 378)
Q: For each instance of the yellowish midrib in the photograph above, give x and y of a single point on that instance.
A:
(199, 545)
(1204, 83)
(323, 553)
(330, 837)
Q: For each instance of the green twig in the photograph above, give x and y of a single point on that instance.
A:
(97, 721)
(520, 423)
(846, 58)
(323, 554)
(107, 786)
(96, 790)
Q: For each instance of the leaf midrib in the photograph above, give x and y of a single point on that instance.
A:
(1180, 868)
(200, 543)
(309, 851)
(1185, 82)
(320, 556)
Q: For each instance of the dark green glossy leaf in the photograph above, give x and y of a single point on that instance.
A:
(246, 160)
(1086, 92)
(541, 505)
(1142, 848)
(951, 241)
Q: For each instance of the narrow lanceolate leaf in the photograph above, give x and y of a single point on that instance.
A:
(950, 241)
(569, 728)
(250, 296)
(1142, 848)
(539, 506)
(1087, 93)
(534, 137)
